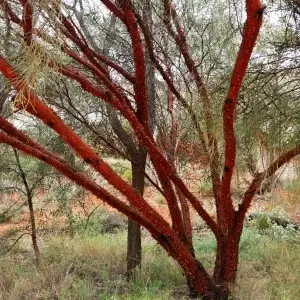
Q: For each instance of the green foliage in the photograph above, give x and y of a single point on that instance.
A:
(205, 186)
(293, 185)
(121, 168)
(90, 226)
(118, 167)
(261, 222)
(99, 221)
(127, 175)
(65, 195)
(5, 217)
(160, 200)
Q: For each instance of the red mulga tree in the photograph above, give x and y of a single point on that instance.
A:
(89, 70)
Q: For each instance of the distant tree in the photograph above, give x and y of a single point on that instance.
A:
(23, 176)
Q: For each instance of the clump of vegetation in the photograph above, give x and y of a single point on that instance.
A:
(99, 222)
(5, 217)
(206, 187)
(93, 267)
(127, 175)
(261, 222)
(153, 98)
(160, 200)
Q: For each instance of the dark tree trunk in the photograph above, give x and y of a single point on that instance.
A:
(33, 231)
(134, 246)
(226, 264)
(31, 209)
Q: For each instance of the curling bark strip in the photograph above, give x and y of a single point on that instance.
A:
(250, 34)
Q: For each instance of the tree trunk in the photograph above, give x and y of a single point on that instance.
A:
(205, 287)
(33, 231)
(226, 264)
(134, 246)
(31, 209)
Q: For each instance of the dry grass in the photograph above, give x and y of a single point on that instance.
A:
(93, 267)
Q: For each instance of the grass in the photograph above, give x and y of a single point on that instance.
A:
(93, 267)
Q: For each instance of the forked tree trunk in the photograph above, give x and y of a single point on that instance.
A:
(134, 246)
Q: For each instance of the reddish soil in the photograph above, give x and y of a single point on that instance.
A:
(49, 214)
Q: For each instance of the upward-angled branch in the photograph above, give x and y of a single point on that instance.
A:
(250, 34)
(10, 129)
(257, 181)
(150, 49)
(163, 234)
(139, 62)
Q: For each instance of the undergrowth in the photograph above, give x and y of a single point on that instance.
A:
(92, 267)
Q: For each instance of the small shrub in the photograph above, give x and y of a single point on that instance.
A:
(261, 222)
(5, 217)
(119, 167)
(160, 200)
(205, 187)
(127, 175)
(100, 222)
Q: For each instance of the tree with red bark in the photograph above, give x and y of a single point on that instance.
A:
(125, 89)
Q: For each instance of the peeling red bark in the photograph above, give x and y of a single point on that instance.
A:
(41, 111)
(212, 147)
